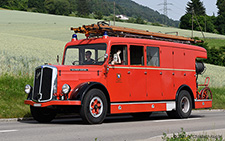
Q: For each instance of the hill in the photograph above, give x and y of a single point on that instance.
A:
(29, 39)
(132, 9)
(91, 8)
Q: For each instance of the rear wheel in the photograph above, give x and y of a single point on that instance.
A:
(42, 114)
(94, 107)
(183, 106)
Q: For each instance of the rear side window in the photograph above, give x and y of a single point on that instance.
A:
(153, 56)
(136, 55)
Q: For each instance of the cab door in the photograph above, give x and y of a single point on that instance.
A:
(118, 76)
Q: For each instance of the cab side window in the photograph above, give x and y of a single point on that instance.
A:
(136, 55)
(118, 55)
(153, 56)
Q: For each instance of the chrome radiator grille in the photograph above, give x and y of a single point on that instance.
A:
(44, 82)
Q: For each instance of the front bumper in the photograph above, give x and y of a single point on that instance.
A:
(51, 103)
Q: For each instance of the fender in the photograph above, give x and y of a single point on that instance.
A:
(185, 87)
(79, 92)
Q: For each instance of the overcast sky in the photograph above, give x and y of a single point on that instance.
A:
(178, 7)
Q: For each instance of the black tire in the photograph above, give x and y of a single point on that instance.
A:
(42, 115)
(94, 107)
(183, 106)
(144, 115)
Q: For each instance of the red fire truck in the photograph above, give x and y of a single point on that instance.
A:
(120, 70)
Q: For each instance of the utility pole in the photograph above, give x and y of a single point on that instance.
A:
(114, 13)
(192, 22)
(199, 25)
(165, 9)
(205, 22)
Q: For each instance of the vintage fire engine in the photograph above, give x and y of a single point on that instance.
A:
(121, 70)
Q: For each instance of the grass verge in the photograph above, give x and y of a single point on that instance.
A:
(218, 98)
(12, 96)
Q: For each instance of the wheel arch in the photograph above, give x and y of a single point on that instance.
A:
(81, 90)
(187, 88)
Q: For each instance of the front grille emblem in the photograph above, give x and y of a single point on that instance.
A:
(39, 96)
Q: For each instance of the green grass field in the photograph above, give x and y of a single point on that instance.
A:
(215, 42)
(28, 40)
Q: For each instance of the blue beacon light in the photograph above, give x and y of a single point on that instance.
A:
(105, 34)
(74, 37)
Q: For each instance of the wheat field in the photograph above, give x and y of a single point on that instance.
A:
(30, 39)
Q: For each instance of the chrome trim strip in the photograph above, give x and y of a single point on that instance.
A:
(146, 68)
(202, 100)
(39, 92)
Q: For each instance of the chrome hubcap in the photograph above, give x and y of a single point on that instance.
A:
(185, 104)
(96, 107)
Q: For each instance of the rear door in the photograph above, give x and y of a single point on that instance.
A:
(154, 73)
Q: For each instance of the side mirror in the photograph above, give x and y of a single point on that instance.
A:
(57, 59)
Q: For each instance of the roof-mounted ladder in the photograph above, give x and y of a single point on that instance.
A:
(96, 30)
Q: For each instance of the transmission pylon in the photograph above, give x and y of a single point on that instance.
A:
(165, 9)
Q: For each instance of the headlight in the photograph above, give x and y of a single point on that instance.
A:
(28, 89)
(66, 88)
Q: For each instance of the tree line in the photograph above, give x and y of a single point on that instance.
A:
(92, 9)
(196, 13)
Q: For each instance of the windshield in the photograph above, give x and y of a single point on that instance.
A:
(91, 54)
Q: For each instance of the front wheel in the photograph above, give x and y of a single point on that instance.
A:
(183, 106)
(42, 115)
(94, 107)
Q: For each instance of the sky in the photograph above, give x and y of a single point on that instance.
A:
(177, 7)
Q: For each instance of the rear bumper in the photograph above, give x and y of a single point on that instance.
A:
(54, 102)
(204, 103)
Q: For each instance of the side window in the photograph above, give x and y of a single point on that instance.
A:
(118, 55)
(136, 55)
(153, 56)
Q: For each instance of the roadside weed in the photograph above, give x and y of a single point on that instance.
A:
(183, 136)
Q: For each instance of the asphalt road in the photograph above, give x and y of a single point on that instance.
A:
(118, 128)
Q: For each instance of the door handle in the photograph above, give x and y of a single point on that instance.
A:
(128, 72)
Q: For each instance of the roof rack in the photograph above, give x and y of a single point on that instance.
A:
(96, 30)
